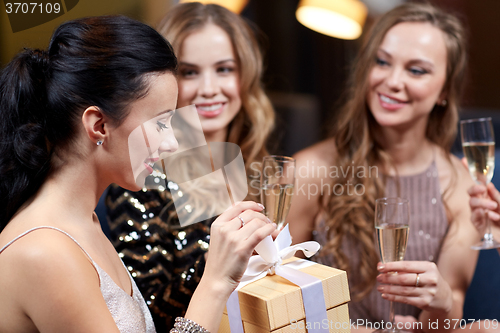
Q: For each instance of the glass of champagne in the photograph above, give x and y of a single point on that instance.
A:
(478, 143)
(392, 224)
(277, 179)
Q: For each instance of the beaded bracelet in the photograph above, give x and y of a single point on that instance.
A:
(184, 325)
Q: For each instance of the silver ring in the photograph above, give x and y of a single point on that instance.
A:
(242, 222)
(417, 280)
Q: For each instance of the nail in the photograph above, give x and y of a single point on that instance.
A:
(380, 288)
(269, 220)
(261, 206)
(380, 267)
(379, 277)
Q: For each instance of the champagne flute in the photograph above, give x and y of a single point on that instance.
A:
(277, 179)
(392, 224)
(478, 143)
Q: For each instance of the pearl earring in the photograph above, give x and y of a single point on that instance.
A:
(444, 102)
(99, 142)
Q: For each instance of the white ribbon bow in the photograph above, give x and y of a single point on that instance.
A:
(269, 261)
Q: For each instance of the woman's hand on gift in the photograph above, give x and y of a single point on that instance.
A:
(233, 237)
(417, 283)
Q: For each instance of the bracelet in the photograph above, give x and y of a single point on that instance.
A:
(184, 325)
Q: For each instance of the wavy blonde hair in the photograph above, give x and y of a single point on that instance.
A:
(253, 124)
(356, 142)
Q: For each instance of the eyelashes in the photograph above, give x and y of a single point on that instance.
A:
(161, 126)
(416, 71)
(191, 73)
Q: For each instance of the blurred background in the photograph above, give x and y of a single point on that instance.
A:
(306, 72)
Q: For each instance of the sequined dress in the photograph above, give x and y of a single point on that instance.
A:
(428, 227)
(130, 313)
(165, 260)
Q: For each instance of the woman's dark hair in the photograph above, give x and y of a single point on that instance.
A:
(97, 61)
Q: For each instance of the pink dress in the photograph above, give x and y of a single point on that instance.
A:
(428, 227)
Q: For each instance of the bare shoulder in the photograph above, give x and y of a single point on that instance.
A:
(320, 155)
(313, 180)
(323, 151)
(51, 283)
(46, 258)
(313, 171)
(455, 181)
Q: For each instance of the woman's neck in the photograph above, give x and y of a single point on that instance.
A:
(75, 187)
(410, 150)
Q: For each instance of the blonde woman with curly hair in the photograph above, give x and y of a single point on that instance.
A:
(220, 70)
(392, 138)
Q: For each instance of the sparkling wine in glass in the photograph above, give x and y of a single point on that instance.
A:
(392, 224)
(276, 187)
(478, 143)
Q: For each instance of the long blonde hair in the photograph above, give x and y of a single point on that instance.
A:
(255, 121)
(352, 216)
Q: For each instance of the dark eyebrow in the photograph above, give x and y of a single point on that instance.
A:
(187, 64)
(411, 62)
(182, 63)
(163, 112)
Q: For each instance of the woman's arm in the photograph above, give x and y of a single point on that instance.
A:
(312, 181)
(457, 261)
(230, 249)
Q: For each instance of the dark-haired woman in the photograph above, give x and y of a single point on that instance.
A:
(66, 115)
(220, 69)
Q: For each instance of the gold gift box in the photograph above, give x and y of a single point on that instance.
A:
(274, 304)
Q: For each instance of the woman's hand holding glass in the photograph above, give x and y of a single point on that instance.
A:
(417, 283)
(392, 224)
(485, 201)
(478, 142)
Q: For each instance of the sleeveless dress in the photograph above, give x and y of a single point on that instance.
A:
(130, 313)
(165, 259)
(428, 227)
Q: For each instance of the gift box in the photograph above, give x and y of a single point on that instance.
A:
(274, 304)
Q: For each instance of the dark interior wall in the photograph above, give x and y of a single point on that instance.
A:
(305, 71)
(11, 43)
(484, 23)
(301, 61)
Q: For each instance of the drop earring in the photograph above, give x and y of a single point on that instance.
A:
(99, 142)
